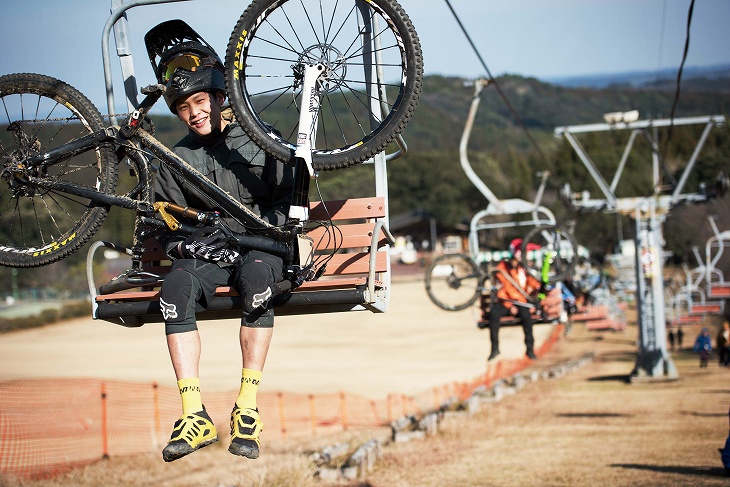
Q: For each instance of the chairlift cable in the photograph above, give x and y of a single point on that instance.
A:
(681, 67)
(493, 81)
(661, 41)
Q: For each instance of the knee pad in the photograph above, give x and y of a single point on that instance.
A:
(254, 280)
(180, 292)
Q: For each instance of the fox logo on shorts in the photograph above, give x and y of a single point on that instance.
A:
(169, 311)
(261, 298)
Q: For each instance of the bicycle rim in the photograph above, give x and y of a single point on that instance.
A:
(369, 50)
(453, 282)
(40, 225)
(559, 243)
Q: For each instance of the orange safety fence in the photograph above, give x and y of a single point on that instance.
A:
(48, 426)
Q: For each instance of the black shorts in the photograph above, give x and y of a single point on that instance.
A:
(192, 282)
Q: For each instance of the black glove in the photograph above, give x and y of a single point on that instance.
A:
(209, 244)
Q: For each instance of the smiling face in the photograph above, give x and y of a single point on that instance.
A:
(201, 112)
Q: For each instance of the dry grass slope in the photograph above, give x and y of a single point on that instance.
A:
(589, 427)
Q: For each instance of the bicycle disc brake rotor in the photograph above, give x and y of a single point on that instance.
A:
(333, 61)
(15, 170)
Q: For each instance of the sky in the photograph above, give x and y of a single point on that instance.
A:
(542, 38)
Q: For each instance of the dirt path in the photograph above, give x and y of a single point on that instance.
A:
(411, 348)
(590, 427)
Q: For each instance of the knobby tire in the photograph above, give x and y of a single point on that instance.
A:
(272, 37)
(454, 282)
(39, 226)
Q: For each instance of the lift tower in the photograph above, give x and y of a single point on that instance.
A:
(649, 213)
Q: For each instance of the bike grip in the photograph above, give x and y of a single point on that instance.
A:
(113, 286)
(264, 244)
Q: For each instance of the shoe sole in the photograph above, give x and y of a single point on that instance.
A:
(171, 455)
(244, 451)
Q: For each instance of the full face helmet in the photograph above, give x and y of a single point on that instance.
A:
(183, 61)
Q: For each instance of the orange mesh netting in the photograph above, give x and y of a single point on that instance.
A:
(48, 426)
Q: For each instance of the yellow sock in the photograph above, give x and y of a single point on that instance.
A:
(249, 387)
(190, 394)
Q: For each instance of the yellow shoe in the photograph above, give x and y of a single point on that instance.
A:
(191, 432)
(246, 426)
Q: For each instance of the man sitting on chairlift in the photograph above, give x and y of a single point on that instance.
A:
(514, 284)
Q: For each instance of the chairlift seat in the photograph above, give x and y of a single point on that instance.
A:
(356, 278)
(706, 308)
(552, 306)
(720, 291)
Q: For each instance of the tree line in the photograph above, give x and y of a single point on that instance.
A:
(429, 180)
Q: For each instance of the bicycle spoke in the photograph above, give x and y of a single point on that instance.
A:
(453, 282)
(363, 51)
(39, 223)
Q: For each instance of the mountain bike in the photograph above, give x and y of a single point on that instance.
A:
(455, 281)
(309, 81)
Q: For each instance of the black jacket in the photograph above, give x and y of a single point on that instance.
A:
(234, 163)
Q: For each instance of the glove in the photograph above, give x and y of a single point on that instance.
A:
(209, 244)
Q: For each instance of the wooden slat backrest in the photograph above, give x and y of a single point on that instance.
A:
(353, 221)
(356, 208)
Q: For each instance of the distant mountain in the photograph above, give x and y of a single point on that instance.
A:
(709, 78)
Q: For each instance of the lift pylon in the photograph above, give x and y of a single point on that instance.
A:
(649, 212)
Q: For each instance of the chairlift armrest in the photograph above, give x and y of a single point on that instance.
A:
(380, 225)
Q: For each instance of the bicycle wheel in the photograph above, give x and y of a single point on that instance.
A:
(588, 275)
(453, 282)
(557, 245)
(39, 224)
(369, 49)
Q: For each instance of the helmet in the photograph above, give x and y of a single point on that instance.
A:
(183, 61)
(516, 244)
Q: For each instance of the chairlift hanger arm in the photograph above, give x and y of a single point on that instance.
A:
(119, 9)
(479, 85)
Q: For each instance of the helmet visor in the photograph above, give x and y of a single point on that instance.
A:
(188, 62)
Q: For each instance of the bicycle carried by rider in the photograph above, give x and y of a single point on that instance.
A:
(318, 101)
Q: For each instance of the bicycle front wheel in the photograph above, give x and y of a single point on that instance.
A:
(549, 252)
(373, 69)
(453, 282)
(39, 223)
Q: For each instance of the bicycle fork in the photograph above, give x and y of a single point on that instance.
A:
(306, 134)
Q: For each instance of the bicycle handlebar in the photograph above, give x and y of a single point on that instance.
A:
(253, 242)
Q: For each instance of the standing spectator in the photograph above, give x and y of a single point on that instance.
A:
(723, 344)
(680, 338)
(703, 346)
(671, 339)
(725, 452)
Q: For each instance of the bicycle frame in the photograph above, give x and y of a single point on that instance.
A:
(132, 140)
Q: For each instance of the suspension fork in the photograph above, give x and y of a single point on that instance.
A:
(306, 135)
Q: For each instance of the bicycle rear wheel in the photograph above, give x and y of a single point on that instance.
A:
(453, 282)
(40, 225)
(369, 49)
(553, 240)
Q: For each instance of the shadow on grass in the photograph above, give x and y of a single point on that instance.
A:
(593, 415)
(715, 391)
(626, 378)
(680, 469)
(616, 357)
(703, 415)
